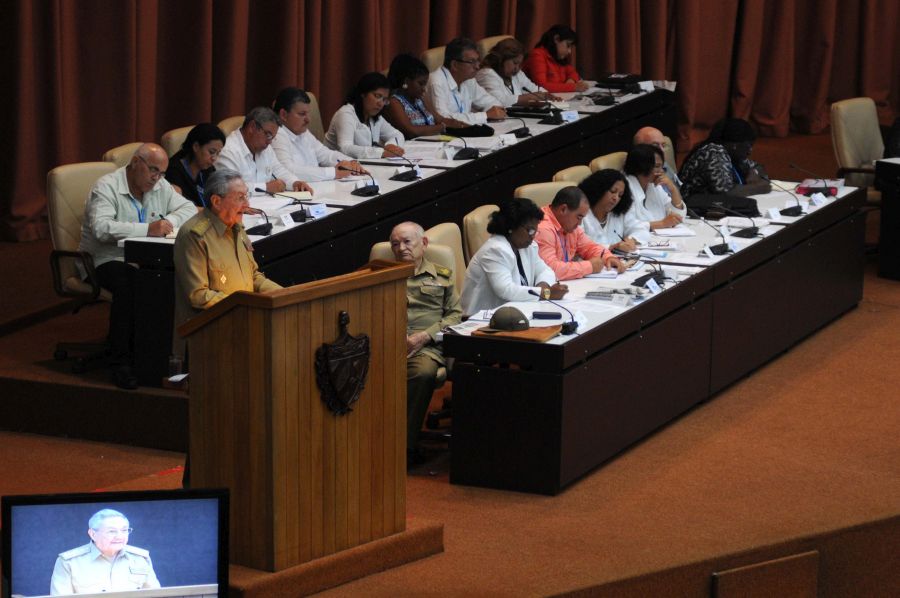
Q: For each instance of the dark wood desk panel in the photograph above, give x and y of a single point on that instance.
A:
(887, 180)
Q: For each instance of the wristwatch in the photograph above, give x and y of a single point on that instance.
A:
(545, 293)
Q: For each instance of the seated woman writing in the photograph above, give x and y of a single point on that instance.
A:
(357, 129)
(501, 76)
(721, 163)
(611, 221)
(409, 110)
(508, 266)
(191, 166)
(550, 63)
(656, 198)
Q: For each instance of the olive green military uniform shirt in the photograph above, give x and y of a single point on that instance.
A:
(85, 570)
(432, 304)
(211, 262)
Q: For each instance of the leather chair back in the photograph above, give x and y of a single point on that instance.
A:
(485, 45)
(231, 124)
(172, 141)
(449, 235)
(572, 174)
(669, 151)
(475, 228)
(121, 155)
(541, 193)
(435, 252)
(433, 58)
(856, 136)
(315, 118)
(615, 160)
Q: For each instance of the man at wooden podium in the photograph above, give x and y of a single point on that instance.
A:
(432, 305)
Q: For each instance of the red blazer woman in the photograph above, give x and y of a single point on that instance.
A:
(544, 70)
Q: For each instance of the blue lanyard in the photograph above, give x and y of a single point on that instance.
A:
(453, 91)
(141, 210)
(737, 174)
(562, 242)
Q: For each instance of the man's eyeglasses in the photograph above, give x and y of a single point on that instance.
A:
(269, 136)
(155, 173)
(473, 62)
(112, 533)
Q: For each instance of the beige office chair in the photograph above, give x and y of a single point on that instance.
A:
(231, 124)
(68, 187)
(449, 235)
(572, 174)
(475, 229)
(541, 193)
(669, 151)
(121, 155)
(172, 141)
(857, 142)
(315, 118)
(615, 160)
(433, 58)
(485, 45)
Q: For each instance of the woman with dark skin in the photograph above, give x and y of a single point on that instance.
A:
(409, 110)
(721, 163)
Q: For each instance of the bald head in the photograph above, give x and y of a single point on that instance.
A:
(649, 136)
(147, 166)
(408, 243)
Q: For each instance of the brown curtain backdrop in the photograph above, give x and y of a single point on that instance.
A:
(88, 75)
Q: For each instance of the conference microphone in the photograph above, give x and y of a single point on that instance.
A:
(720, 249)
(568, 327)
(259, 229)
(409, 175)
(607, 100)
(750, 232)
(656, 274)
(466, 153)
(365, 190)
(521, 131)
(265, 191)
(542, 101)
(796, 210)
(807, 191)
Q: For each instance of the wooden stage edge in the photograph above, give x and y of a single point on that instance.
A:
(421, 539)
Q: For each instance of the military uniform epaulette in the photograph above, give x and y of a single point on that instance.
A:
(201, 227)
(443, 271)
(138, 551)
(71, 554)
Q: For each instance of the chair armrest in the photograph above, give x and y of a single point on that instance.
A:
(87, 264)
(848, 169)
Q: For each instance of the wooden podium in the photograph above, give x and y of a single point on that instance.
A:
(305, 483)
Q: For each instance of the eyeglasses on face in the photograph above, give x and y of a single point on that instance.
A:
(155, 172)
(269, 136)
(112, 532)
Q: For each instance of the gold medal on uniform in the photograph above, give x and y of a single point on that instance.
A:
(223, 279)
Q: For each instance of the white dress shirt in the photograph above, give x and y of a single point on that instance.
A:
(617, 228)
(654, 204)
(305, 156)
(493, 278)
(348, 135)
(457, 101)
(255, 170)
(112, 213)
(491, 81)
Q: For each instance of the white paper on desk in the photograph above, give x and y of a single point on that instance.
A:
(610, 273)
(676, 231)
(171, 235)
(743, 221)
(422, 150)
(466, 328)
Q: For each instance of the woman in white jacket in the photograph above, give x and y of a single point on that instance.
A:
(507, 267)
(611, 221)
(357, 129)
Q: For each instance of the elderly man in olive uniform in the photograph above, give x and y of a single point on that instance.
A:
(213, 255)
(432, 304)
(107, 563)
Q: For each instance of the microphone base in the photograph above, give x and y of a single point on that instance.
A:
(466, 153)
(792, 211)
(569, 328)
(720, 249)
(367, 191)
(406, 177)
(300, 215)
(605, 101)
(521, 133)
(747, 233)
(640, 281)
(260, 229)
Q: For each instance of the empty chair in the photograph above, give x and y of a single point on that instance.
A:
(171, 141)
(433, 58)
(475, 228)
(572, 174)
(541, 193)
(449, 235)
(615, 160)
(121, 155)
(231, 124)
(857, 142)
(485, 45)
(68, 187)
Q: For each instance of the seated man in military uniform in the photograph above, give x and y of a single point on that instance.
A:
(432, 304)
(107, 563)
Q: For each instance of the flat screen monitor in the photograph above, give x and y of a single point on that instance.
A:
(145, 543)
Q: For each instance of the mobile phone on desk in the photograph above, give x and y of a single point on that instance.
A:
(546, 315)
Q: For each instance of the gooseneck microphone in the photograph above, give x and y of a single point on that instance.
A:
(656, 273)
(259, 229)
(521, 131)
(796, 210)
(365, 190)
(568, 327)
(720, 249)
(466, 153)
(744, 233)
(409, 175)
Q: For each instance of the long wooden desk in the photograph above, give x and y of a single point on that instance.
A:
(341, 242)
(535, 417)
